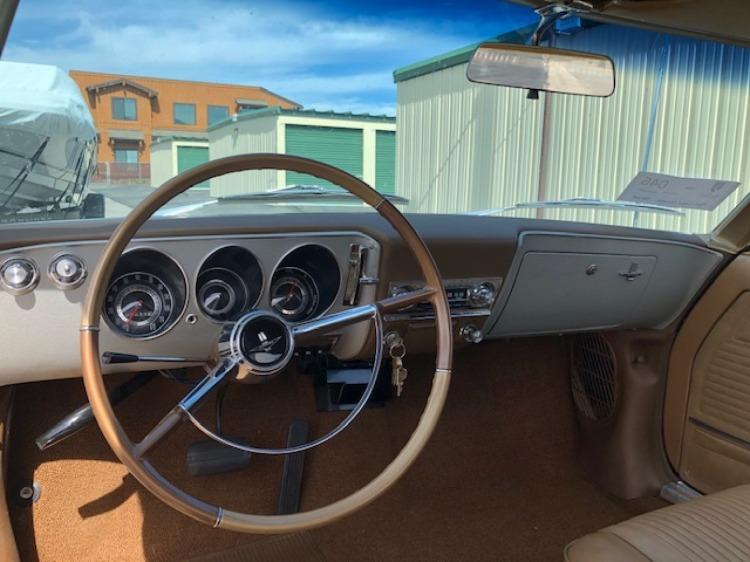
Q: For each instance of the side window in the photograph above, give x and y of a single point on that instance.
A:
(124, 109)
(216, 113)
(184, 113)
(126, 155)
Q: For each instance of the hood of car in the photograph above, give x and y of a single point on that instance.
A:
(724, 21)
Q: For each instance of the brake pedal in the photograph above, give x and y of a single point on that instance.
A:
(211, 457)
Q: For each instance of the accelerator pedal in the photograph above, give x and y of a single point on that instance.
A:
(294, 465)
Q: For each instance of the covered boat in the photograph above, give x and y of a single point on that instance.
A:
(47, 142)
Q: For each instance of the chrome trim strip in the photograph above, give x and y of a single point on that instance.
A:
(473, 313)
(219, 517)
(218, 237)
(89, 329)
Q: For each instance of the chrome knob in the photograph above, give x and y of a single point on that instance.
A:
(472, 334)
(482, 295)
(19, 276)
(67, 271)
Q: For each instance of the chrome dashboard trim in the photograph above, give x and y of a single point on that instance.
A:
(277, 266)
(202, 263)
(177, 318)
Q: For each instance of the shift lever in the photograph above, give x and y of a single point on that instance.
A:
(83, 416)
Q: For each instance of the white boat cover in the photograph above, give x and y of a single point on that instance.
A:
(43, 99)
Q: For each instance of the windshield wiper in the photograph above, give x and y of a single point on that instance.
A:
(585, 203)
(304, 192)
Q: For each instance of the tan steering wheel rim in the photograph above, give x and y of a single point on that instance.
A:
(126, 450)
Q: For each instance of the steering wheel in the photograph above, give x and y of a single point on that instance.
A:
(239, 348)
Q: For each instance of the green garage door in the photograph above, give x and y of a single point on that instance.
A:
(333, 145)
(190, 157)
(385, 161)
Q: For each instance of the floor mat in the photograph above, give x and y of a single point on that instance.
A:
(498, 481)
(299, 547)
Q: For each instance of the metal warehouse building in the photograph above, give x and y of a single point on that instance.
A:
(465, 147)
(363, 145)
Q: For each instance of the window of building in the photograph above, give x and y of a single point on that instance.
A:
(124, 109)
(184, 114)
(126, 155)
(217, 113)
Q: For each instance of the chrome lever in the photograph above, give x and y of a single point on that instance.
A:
(631, 274)
(114, 358)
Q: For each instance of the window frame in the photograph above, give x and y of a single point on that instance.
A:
(115, 150)
(208, 113)
(124, 113)
(186, 104)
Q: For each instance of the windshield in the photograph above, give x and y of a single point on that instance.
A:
(119, 97)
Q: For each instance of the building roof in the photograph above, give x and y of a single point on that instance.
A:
(276, 110)
(114, 77)
(122, 83)
(457, 56)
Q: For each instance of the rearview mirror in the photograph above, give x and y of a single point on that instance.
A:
(539, 68)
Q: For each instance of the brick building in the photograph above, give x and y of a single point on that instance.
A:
(131, 112)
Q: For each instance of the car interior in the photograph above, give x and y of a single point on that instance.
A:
(382, 385)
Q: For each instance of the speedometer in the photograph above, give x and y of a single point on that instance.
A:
(139, 305)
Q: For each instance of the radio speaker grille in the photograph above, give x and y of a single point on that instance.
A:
(593, 377)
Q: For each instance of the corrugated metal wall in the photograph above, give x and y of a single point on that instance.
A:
(245, 136)
(462, 147)
(465, 147)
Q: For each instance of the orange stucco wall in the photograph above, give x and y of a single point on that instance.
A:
(157, 113)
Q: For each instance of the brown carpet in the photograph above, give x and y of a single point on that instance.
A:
(498, 481)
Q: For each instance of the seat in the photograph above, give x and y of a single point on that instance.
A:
(713, 527)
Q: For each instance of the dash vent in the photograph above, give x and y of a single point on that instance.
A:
(593, 378)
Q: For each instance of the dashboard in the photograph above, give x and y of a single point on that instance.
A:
(180, 281)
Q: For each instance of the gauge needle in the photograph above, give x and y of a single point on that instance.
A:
(283, 300)
(132, 309)
(208, 303)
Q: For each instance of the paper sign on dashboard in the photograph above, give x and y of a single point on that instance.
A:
(673, 191)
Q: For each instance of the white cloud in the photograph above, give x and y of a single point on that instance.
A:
(297, 51)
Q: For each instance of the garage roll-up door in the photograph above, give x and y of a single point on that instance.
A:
(190, 157)
(335, 146)
(385, 161)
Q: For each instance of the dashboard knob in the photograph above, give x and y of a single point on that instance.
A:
(472, 334)
(482, 295)
(19, 276)
(67, 271)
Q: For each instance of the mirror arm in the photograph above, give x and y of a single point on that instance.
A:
(548, 16)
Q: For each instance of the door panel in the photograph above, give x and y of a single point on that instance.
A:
(707, 408)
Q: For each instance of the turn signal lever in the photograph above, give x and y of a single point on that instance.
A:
(113, 358)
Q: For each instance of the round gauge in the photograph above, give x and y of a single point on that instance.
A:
(294, 294)
(222, 295)
(140, 305)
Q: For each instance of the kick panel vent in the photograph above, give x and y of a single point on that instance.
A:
(593, 379)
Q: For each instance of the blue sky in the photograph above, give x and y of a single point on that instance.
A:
(326, 55)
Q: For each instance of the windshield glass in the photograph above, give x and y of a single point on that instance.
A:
(103, 102)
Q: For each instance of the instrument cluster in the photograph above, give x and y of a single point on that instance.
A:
(149, 290)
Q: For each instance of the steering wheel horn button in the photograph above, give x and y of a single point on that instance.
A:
(260, 342)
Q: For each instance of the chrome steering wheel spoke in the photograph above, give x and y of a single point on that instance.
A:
(184, 408)
(359, 313)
